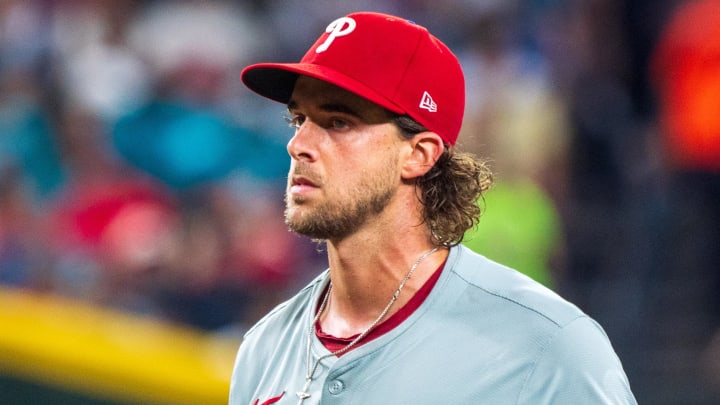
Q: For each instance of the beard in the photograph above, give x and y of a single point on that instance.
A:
(346, 212)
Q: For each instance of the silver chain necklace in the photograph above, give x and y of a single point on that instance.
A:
(311, 369)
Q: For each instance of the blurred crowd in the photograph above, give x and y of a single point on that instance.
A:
(136, 172)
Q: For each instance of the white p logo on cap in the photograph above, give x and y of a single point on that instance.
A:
(338, 28)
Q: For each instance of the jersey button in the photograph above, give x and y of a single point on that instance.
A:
(336, 387)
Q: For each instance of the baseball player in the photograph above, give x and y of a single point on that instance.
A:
(404, 314)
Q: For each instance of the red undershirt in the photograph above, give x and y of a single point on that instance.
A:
(333, 343)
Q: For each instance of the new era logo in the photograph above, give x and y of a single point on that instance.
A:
(427, 103)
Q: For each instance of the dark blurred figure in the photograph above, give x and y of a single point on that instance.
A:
(16, 230)
(31, 171)
(686, 74)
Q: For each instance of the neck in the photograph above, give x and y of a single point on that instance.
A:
(363, 284)
(367, 266)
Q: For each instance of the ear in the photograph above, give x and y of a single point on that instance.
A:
(424, 150)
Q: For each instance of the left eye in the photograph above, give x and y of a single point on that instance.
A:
(338, 124)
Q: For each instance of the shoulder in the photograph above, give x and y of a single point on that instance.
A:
(261, 344)
(514, 292)
(577, 365)
(569, 357)
(267, 342)
(288, 312)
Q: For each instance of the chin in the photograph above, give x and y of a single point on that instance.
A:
(294, 216)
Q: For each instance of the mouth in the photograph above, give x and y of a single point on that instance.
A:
(302, 181)
(301, 185)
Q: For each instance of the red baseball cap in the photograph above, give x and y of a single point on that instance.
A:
(388, 60)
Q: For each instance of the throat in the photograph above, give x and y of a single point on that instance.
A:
(336, 337)
(348, 315)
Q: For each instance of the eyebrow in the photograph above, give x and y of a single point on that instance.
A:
(329, 107)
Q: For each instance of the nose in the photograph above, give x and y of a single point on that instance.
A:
(302, 145)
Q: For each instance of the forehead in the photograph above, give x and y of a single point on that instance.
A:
(311, 93)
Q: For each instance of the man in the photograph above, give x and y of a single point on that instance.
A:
(404, 314)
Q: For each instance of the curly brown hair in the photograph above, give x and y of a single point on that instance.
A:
(451, 191)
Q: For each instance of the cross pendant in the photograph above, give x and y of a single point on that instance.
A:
(303, 395)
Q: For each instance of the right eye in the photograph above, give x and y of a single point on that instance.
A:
(295, 121)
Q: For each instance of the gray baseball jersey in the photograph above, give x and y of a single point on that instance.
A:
(486, 334)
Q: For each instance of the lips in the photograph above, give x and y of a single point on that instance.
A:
(301, 185)
(302, 181)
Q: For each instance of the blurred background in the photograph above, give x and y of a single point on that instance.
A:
(141, 184)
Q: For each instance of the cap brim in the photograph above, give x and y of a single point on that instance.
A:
(277, 80)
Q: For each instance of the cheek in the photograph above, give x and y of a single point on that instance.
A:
(367, 156)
